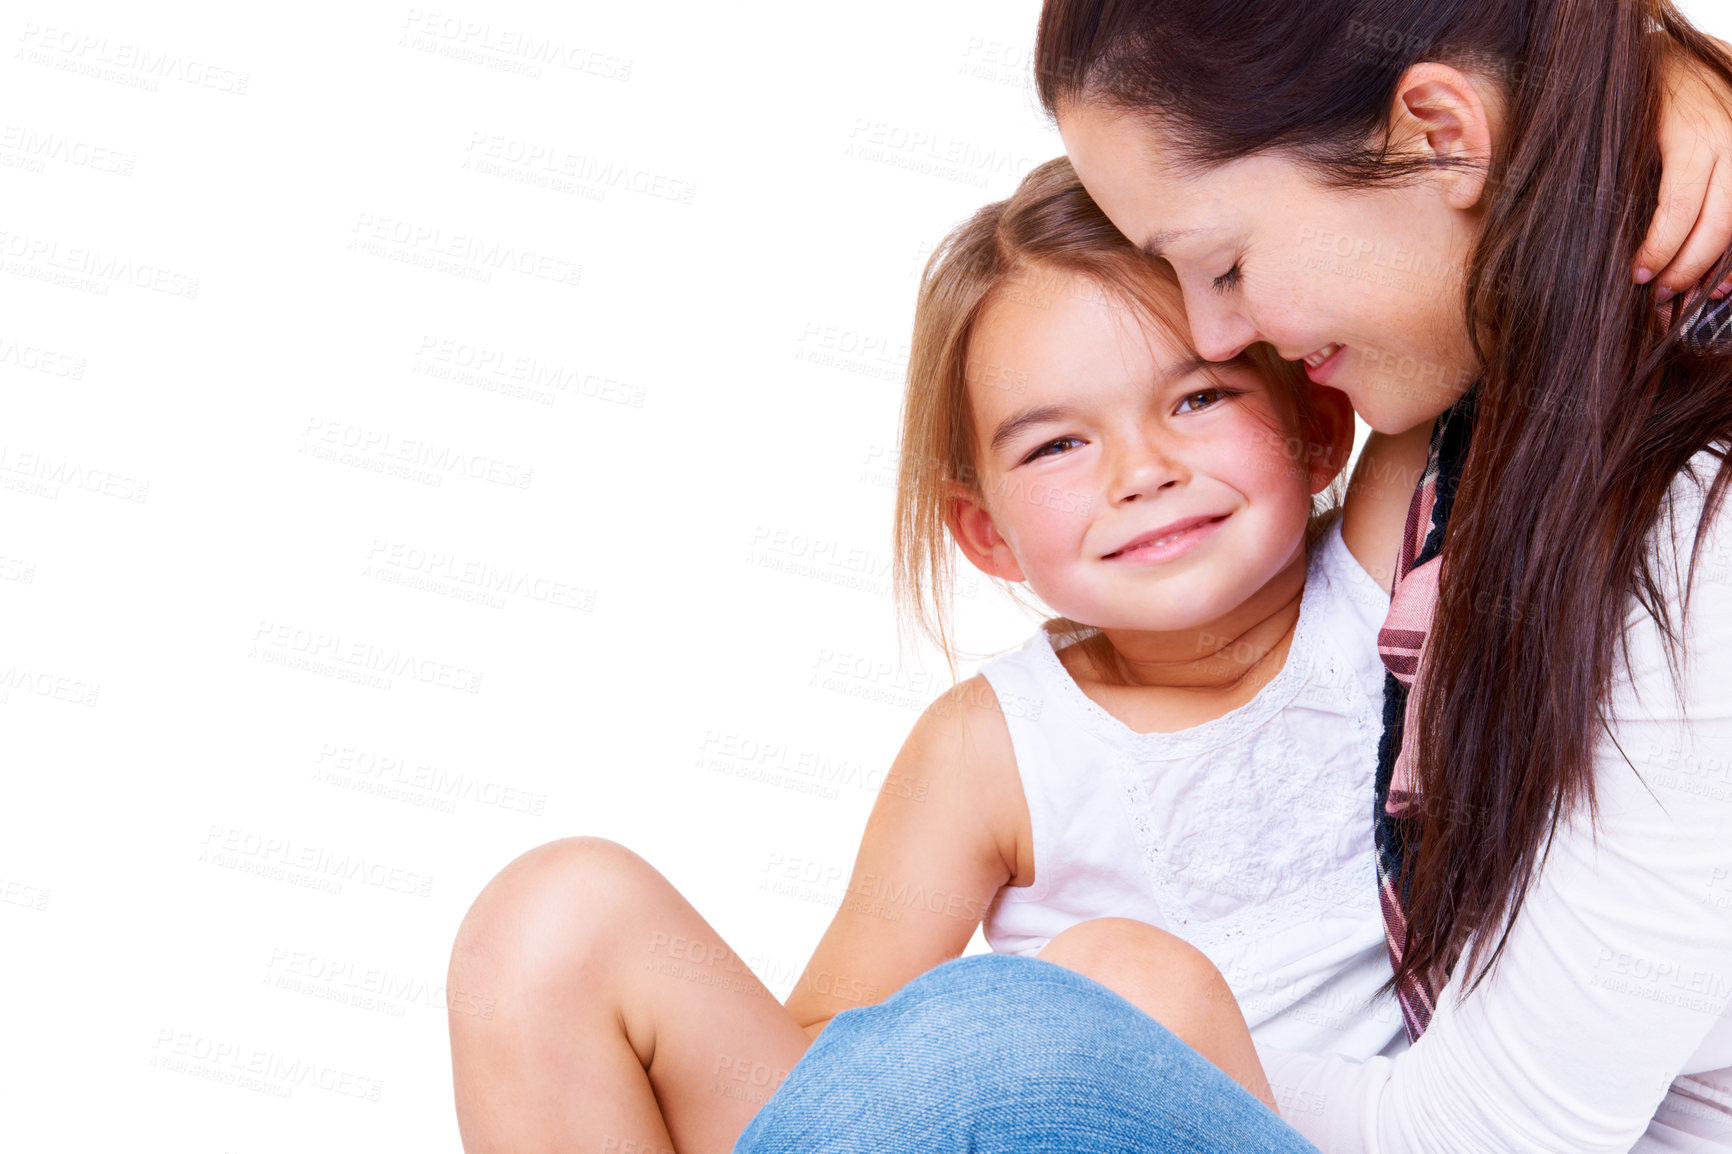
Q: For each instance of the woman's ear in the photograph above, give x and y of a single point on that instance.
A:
(1441, 112)
(978, 538)
(1333, 414)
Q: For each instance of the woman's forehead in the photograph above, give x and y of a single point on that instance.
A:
(1158, 201)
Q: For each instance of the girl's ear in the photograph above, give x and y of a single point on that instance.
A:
(978, 538)
(1333, 413)
(1439, 111)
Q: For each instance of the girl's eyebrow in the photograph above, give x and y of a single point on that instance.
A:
(1017, 422)
(1023, 419)
(1190, 366)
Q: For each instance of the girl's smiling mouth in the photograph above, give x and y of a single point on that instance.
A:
(1169, 541)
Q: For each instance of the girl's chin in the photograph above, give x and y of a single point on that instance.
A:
(1137, 623)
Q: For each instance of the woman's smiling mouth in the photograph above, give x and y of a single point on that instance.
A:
(1321, 365)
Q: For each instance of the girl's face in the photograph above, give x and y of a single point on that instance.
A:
(1132, 485)
(1365, 286)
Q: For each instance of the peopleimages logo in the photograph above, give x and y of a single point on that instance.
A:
(282, 644)
(282, 859)
(231, 1062)
(121, 61)
(471, 255)
(329, 438)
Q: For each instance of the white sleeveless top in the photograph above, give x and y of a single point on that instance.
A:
(1249, 836)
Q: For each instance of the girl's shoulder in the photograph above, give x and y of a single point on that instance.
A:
(1339, 576)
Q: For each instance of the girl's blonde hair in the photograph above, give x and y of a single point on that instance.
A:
(1048, 231)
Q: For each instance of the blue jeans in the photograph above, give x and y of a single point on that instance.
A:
(995, 1053)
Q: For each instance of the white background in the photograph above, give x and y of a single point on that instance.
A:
(317, 608)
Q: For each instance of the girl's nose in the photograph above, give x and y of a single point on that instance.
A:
(1142, 468)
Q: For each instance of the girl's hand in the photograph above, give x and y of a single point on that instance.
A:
(1693, 227)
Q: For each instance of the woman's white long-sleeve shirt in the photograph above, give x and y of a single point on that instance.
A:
(1607, 1024)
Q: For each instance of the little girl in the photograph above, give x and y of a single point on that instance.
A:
(1172, 774)
(1190, 744)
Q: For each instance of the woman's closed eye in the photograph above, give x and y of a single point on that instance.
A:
(1229, 280)
(1051, 448)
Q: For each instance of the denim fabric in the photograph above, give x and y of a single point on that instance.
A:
(995, 1053)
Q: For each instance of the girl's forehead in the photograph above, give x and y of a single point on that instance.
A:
(1068, 332)
(1073, 348)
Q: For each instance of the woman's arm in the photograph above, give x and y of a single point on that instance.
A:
(950, 827)
(1693, 227)
(1618, 972)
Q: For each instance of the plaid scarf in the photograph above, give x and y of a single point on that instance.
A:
(1401, 642)
(1413, 601)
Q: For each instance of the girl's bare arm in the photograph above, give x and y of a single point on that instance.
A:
(950, 827)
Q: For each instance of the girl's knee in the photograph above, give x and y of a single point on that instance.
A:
(984, 976)
(551, 909)
(981, 994)
(984, 1037)
(1104, 948)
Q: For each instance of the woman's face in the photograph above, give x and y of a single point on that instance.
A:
(1365, 285)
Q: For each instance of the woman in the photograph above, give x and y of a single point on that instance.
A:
(1066, 1065)
(1335, 179)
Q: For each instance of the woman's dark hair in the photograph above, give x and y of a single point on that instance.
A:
(1589, 404)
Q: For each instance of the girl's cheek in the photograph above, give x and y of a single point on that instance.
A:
(1050, 525)
(1058, 500)
(1269, 462)
(1046, 529)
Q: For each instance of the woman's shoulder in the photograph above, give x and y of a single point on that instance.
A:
(1692, 538)
(1692, 485)
(1676, 659)
(1663, 790)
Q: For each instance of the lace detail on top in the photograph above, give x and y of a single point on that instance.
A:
(1256, 821)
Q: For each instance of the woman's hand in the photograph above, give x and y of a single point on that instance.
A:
(1693, 227)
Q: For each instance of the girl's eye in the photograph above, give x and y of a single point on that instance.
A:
(1052, 448)
(1228, 280)
(1202, 399)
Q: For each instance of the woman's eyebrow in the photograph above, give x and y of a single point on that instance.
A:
(1160, 240)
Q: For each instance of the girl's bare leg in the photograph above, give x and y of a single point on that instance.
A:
(1172, 982)
(594, 1010)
